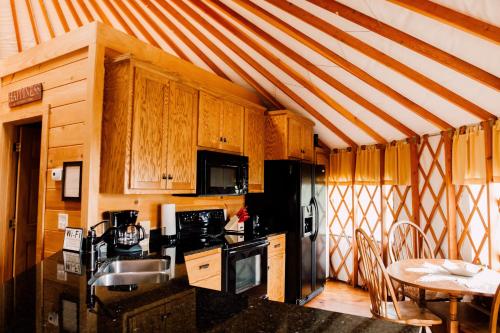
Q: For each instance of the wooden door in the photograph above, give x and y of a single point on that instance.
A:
(181, 152)
(294, 138)
(276, 277)
(254, 148)
(232, 127)
(209, 121)
(27, 198)
(307, 143)
(149, 128)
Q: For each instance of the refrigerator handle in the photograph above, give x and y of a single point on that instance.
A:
(316, 219)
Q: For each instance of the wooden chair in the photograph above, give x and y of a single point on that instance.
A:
(408, 241)
(381, 289)
(471, 318)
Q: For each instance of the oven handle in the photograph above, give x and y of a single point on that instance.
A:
(249, 247)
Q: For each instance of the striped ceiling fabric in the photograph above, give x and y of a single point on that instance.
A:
(368, 71)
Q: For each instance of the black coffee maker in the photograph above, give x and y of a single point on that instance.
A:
(125, 234)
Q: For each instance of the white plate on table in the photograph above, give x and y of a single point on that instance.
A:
(462, 269)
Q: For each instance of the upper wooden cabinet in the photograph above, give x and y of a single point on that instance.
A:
(254, 148)
(148, 131)
(220, 124)
(288, 136)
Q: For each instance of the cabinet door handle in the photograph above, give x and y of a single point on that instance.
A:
(277, 245)
(225, 140)
(221, 139)
(163, 176)
(204, 266)
(170, 177)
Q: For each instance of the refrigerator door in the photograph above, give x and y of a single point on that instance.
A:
(308, 260)
(321, 253)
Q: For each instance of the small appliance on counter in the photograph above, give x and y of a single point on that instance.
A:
(125, 235)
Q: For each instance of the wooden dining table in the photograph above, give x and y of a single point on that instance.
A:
(426, 275)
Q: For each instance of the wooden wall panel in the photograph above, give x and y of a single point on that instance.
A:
(67, 114)
(68, 135)
(51, 219)
(56, 156)
(149, 205)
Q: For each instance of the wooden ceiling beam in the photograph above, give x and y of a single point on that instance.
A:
(192, 46)
(302, 61)
(383, 59)
(85, 10)
(72, 9)
(410, 42)
(221, 54)
(60, 15)
(16, 25)
(33, 22)
(136, 22)
(119, 18)
(159, 31)
(99, 12)
(289, 70)
(343, 63)
(262, 70)
(46, 18)
(451, 17)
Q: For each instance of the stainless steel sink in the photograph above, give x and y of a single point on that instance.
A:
(126, 272)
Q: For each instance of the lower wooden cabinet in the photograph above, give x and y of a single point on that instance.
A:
(276, 268)
(204, 269)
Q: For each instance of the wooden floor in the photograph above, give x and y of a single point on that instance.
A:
(341, 297)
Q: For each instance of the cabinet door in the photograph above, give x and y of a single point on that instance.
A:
(276, 278)
(232, 127)
(294, 138)
(307, 142)
(254, 148)
(150, 124)
(181, 152)
(209, 121)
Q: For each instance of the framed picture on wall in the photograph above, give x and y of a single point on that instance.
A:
(72, 181)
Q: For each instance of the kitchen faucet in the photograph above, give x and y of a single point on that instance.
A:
(93, 241)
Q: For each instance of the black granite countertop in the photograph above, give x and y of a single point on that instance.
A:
(54, 297)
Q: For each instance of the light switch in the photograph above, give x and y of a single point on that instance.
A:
(62, 221)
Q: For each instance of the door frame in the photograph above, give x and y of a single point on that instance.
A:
(8, 167)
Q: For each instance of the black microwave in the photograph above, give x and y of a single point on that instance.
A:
(221, 174)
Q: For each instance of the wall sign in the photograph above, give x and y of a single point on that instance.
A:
(25, 95)
(73, 238)
(72, 181)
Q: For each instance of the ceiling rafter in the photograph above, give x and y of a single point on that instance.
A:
(73, 12)
(16, 25)
(186, 9)
(302, 61)
(119, 18)
(384, 59)
(159, 31)
(60, 15)
(410, 42)
(453, 18)
(192, 46)
(46, 18)
(138, 24)
(349, 67)
(99, 12)
(291, 72)
(85, 10)
(270, 99)
(33, 22)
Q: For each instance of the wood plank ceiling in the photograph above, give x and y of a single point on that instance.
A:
(366, 71)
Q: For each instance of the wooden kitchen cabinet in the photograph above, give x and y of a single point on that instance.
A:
(276, 268)
(288, 136)
(204, 269)
(220, 124)
(254, 148)
(148, 132)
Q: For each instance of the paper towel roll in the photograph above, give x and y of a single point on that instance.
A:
(168, 225)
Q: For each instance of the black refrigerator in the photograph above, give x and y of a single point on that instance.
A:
(294, 202)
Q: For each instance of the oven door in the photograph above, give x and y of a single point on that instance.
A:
(246, 270)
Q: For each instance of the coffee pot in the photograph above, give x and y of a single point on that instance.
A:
(126, 234)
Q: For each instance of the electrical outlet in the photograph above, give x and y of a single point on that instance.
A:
(62, 221)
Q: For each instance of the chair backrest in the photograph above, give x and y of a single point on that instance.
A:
(494, 311)
(408, 241)
(376, 276)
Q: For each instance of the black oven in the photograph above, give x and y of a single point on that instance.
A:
(221, 174)
(245, 269)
